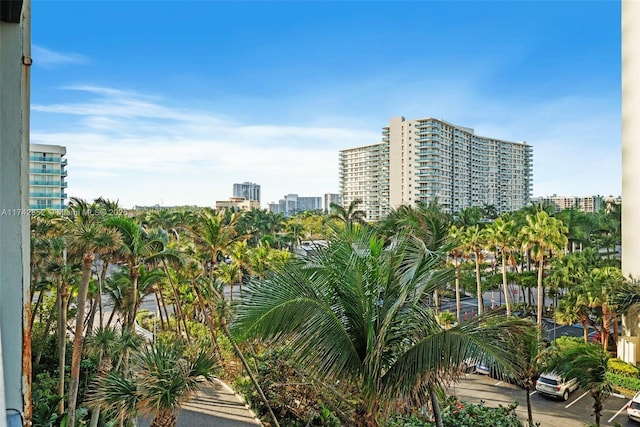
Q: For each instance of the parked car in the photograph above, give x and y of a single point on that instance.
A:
(633, 408)
(483, 368)
(552, 385)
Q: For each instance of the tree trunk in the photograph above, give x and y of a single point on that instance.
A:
(606, 327)
(504, 281)
(103, 275)
(435, 406)
(164, 418)
(585, 327)
(458, 304)
(92, 315)
(479, 287)
(164, 308)
(77, 340)
(540, 295)
(597, 409)
(176, 296)
(36, 306)
(131, 320)
(159, 303)
(529, 413)
(615, 327)
(62, 303)
(113, 313)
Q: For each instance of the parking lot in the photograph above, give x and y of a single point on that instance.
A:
(576, 412)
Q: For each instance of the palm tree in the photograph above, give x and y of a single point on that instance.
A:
(574, 307)
(542, 235)
(87, 238)
(588, 364)
(356, 311)
(500, 234)
(103, 343)
(138, 247)
(214, 233)
(473, 240)
(468, 217)
(456, 253)
(602, 282)
(165, 376)
(239, 253)
(350, 215)
(528, 367)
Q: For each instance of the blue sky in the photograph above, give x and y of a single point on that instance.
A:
(163, 102)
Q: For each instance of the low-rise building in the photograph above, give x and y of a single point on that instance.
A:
(239, 203)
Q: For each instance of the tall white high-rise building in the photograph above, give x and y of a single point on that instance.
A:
(364, 176)
(47, 174)
(430, 160)
(247, 190)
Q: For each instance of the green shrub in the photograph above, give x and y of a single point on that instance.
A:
(618, 366)
(619, 380)
(563, 343)
(462, 414)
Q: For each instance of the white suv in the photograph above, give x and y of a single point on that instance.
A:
(551, 384)
(633, 408)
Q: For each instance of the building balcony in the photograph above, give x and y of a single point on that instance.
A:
(48, 195)
(47, 172)
(45, 159)
(35, 206)
(48, 183)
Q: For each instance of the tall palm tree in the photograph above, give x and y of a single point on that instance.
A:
(602, 282)
(87, 238)
(541, 236)
(239, 253)
(473, 240)
(456, 253)
(500, 234)
(138, 248)
(165, 376)
(356, 311)
(213, 233)
(588, 364)
(529, 351)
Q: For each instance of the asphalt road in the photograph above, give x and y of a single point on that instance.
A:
(576, 412)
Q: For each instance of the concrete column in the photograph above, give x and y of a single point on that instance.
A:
(14, 220)
(631, 152)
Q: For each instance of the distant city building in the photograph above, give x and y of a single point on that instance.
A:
(585, 204)
(293, 204)
(330, 198)
(430, 160)
(610, 201)
(47, 174)
(247, 190)
(364, 176)
(239, 203)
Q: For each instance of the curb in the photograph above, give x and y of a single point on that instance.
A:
(241, 399)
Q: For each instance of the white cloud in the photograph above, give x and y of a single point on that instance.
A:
(133, 148)
(48, 58)
(141, 150)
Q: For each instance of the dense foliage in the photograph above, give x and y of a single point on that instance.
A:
(93, 265)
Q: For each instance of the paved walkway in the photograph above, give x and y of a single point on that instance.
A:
(214, 405)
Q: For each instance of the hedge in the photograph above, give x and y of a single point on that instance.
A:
(618, 366)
